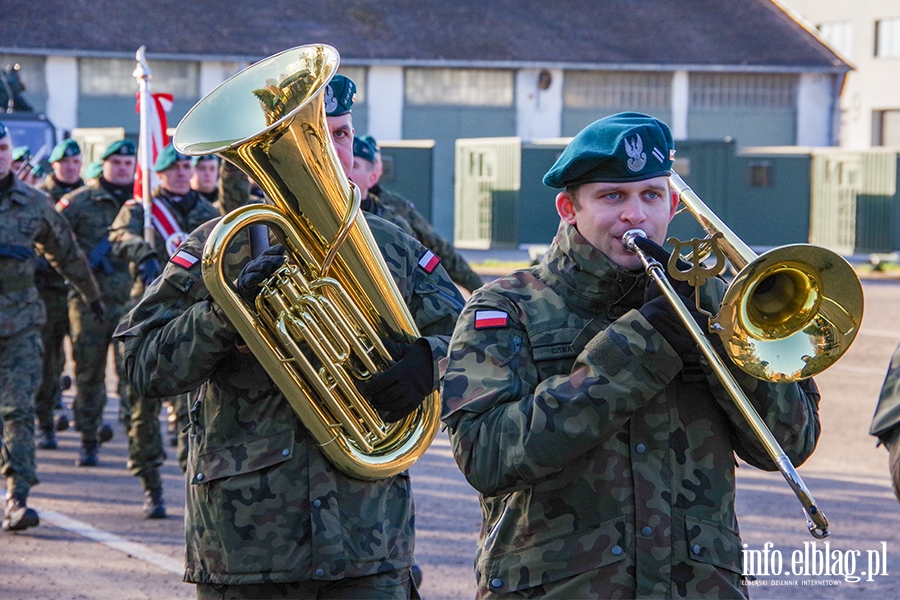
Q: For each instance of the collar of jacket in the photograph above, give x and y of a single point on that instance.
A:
(587, 279)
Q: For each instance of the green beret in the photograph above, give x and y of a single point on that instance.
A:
(120, 148)
(372, 141)
(67, 147)
(94, 170)
(617, 149)
(204, 157)
(21, 153)
(363, 149)
(339, 95)
(3, 131)
(168, 157)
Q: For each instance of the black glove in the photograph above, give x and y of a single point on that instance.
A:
(401, 389)
(15, 251)
(662, 256)
(148, 269)
(255, 271)
(659, 312)
(97, 309)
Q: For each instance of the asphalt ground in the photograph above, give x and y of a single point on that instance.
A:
(93, 543)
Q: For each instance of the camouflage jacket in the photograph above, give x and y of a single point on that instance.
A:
(57, 190)
(90, 210)
(45, 276)
(887, 413)
(263, 503)
(28, 220)
(456, 265)
(127, 230)
(604, 459)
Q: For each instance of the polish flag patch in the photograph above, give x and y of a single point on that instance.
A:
(429, 261)
(490, 319)
(183, 259)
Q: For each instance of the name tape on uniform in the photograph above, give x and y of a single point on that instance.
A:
(490, 319)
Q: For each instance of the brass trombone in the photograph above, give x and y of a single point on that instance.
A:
(787, 315)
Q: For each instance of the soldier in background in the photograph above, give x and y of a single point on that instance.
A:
(456, 265)
(364, 176)
(578, 405)
(177, 210)
(205, 179)
(90, 211)
(329, 533)
(886, 422)
(27, 223)
(66, 160)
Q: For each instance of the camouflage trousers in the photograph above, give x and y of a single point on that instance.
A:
(20, 375)
(145, 446)
(53, 333)
(90, 347)
(394, 585)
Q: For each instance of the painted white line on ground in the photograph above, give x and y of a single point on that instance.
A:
(133, 549)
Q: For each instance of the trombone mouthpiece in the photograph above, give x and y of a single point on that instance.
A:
(629, 237)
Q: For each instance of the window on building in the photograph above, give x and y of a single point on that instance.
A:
(839, 34)
(114, 77)
(459, 87)
(614, 90)
(31, 75)
(358, 76)
(887, 38)
(743, 90)
(760, 174)
(886, 128)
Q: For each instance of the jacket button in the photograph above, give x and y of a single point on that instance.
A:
(496, 583)
(696, 549)
(317, 503)
(646, 532)
(640, 448)
(199, 476)
(320, 573)
(285, 452)
(616, 550)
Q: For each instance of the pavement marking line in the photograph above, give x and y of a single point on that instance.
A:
(133, 549)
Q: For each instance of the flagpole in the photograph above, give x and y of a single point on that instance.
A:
(143, 75)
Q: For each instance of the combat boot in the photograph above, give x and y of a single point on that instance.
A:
(87, 456)
(48, 439)
(154, 507)
(18, 515)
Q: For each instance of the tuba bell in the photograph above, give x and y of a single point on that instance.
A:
(318, 321)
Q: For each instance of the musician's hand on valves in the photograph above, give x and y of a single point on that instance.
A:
(400, 389)
(661, 255)
(662, 316)
(257, 270)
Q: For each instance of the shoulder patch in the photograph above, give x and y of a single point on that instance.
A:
(183, 259)
(429, 261)
(490, 319)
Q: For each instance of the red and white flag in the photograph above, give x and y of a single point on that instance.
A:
(158, 106)
(490, 319)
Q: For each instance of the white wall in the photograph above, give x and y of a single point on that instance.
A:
(213, 73)
(384, 99)
(814, 110)
(61, 73)
(680, 101)
(538, 112)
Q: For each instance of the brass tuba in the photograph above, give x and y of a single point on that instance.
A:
(318, 322)
(788, 314)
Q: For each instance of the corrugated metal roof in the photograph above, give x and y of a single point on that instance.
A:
(744, 34)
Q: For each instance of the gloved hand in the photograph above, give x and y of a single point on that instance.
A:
(662, 256)
(15, 251)
(255, 271)
(97, 309)
(148, 269)
(99, 257)
(659, 312)
(400, 390)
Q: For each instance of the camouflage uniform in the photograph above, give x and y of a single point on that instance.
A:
(264, 505)
(402, 209)
(886, 422)
(604, 460)
(90, 210)
(145, 447)
(28, 221)
(54, 292)
(234, 189)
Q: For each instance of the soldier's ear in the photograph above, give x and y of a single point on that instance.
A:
(565, 206)
(675, 201)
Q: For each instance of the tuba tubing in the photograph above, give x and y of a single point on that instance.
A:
(815, 518)
(318, 321)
